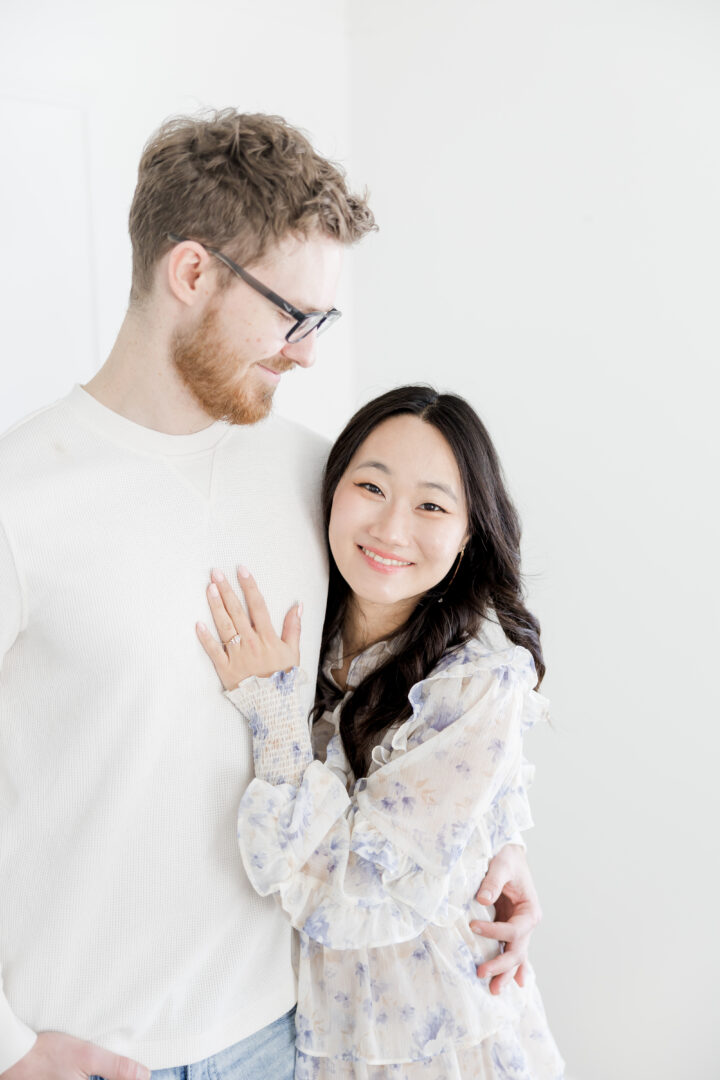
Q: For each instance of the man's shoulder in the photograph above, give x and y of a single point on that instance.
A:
(31, 435)
(282, 435)
(300, 432)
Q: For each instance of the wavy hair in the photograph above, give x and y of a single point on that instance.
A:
(486, 582)
(239, 182)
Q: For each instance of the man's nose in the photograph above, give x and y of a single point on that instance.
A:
(301, 352)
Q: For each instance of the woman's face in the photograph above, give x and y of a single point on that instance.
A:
(398, 517)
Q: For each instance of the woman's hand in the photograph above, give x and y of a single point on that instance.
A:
(250, 645)
(509, 885)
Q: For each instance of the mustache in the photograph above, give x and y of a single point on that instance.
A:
(280, 364)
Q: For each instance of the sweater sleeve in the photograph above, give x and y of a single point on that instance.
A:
(11, 602)
(15, 1037)
(375, 867)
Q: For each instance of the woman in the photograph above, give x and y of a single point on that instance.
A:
(376, 848)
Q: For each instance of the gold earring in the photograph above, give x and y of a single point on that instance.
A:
(461, 553)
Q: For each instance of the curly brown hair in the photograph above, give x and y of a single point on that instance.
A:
(237, 181)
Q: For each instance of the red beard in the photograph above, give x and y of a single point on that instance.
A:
(221, 379)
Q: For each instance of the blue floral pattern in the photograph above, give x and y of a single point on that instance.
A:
(273, 708)
(379, 875)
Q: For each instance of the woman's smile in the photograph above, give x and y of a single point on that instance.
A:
(398, 519)
(382, 562)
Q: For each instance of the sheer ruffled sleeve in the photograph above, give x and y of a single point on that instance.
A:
(375, 866)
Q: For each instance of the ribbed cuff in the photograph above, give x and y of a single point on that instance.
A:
(274, 709)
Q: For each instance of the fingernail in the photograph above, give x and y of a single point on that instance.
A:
(201, 626)
(213, 590)
(243, 572)
(143, 1073)
(301, 608)
(218, 575)
(485, 897)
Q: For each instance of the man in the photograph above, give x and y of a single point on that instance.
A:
(128, 931)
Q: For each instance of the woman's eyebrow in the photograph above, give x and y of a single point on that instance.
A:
(372, 465)
(440, 487)
(423, 483)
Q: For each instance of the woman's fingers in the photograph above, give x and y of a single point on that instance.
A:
(224, 624)
(251, 648)
(257, 608)
(508, 964)
(292, 628)
(498, 984)
(233, 605)
(213, 648)
(500, 971)
(504, 962)
(521, 926)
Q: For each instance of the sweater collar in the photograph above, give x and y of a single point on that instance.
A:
(120, 429)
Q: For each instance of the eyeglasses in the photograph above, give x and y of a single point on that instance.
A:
(305, 321)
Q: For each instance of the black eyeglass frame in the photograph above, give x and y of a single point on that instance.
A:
(325, 319)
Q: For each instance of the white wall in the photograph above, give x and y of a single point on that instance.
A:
(546, 179)
(82, 86)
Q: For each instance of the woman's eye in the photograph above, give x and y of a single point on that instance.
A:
(370, 487)
(433, 507)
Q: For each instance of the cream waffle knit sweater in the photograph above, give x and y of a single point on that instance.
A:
(125, 914)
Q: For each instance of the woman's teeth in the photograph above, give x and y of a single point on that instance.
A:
(379, 558)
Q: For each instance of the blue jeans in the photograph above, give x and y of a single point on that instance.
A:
(269, 1054)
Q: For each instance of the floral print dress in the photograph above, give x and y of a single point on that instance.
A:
(379, 875)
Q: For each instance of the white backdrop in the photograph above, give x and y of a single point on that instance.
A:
(82, 86)
(545, 177)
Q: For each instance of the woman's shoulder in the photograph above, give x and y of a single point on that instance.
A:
(489, 651)
(459, 682)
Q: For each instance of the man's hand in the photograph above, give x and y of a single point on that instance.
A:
(61, 1057)
(510, 887)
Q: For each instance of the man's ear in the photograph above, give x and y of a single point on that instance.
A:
(189, 272)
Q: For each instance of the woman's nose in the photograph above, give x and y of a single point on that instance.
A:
(391, 526)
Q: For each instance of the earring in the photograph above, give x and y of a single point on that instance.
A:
(461, 553)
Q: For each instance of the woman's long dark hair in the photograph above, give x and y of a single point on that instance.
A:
(486, 580)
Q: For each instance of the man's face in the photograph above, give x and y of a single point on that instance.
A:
(232, 359)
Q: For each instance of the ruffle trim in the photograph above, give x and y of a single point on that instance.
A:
(279, 825)
(403, 1030)
(514, 662)
(501, 1056)
(385, 897)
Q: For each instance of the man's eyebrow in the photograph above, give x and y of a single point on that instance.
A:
(423, 483)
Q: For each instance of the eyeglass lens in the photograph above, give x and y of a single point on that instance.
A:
(317, 320)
